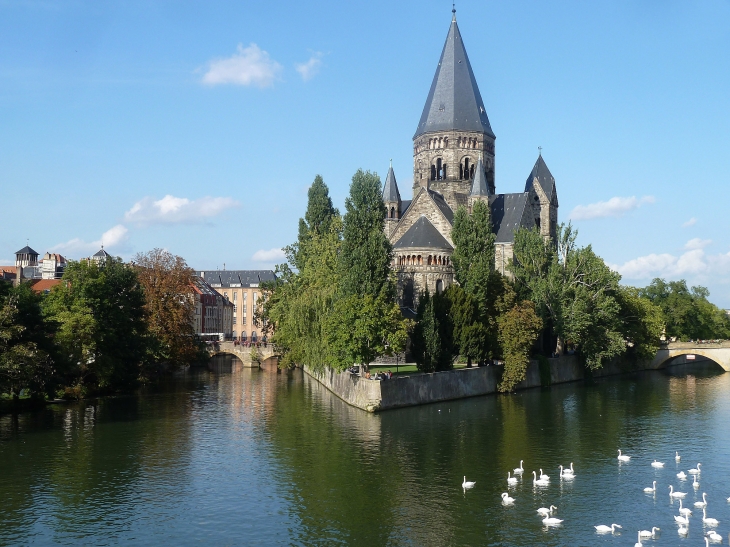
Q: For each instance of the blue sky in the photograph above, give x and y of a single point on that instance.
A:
(198, 127)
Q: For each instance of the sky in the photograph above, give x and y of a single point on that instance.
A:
(198, 126)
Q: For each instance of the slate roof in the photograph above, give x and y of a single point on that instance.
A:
(544, 177)
(101, 253)
(390, 189)
(479, 185)
(26, 251)
(508, 211)
(404, 205)
(454, 101)
(423, 234)
(244, 278)
(442, 205)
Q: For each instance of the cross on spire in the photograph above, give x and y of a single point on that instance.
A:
(539, 148)
(453, 10)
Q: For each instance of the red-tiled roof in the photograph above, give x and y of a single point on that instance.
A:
(8, 269)
(43, 285)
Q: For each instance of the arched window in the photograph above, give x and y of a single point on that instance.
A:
(471, 171)
(234, 334)
(253, 336)
(466, 168)
(420, 260)
(430, 258)
(408, 293)
(433, 172)
(243, 336)
(439, 286)
(438, 168)
(392, 212)
(443, 174)
(461, 172)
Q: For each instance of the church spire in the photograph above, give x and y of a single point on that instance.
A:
(479, 186)
(390, 189)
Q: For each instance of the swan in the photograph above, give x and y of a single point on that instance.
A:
(695, 484)
(551, 521)
(684, 510)
(603, 529)
(519, 470)
(511, 480)
(623, 458)
(702, 503)
(506, 499)
(713, 536)
(538, 482)
(544, 511)
(682, 475)
(651, 488)
(467, 484)
(682, 530)
(695, 471)
(681, 520)
(677, 457)
(566, 473)
(543, 476)
(657, 464)
(708, 521)
(638, 542)
(647, 533)
(673, 494)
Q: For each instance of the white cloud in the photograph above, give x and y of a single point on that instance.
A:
(690, 222)
(309, 69)
(113, 237)
(697, 243)
(248, 66)
(272, 255)
(174, 210)
(614, 207)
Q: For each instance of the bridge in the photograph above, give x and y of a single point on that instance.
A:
(719, 352)
(266, 354)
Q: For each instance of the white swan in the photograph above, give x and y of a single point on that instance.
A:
(623, 458)
(543, 476)
(702, 503)
(511, 480)
(551, 521)
(539, 482)
(673, 494)
(650, 489)
(467, 484)
(568, 471)
(713, 536)
(506, 499)
(544, 511)
(638, 543)
(695, 484)
(657, 464)
(519, 470)
(682, 530)
(695, 471)
(566, 474)
(682, 475)
(677, 457)
(684, 510)
(681, 520)
(708, 521)
(647, 533)
(603, 529)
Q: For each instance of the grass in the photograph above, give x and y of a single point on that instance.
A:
(404, 370)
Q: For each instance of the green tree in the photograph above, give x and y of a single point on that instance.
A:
(473, 256)
(102, 323)
(519, 328)
(642, 323)
(471, 337)
(432, 341)
(317, 219)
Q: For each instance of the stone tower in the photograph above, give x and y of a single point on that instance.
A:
(543, 198)
(393, 204)
(480, 190)
(454, 131)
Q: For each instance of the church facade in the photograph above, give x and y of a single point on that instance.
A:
(454, 166)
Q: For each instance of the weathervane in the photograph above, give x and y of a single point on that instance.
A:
(540, 150)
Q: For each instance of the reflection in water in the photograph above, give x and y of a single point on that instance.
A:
(239, 456)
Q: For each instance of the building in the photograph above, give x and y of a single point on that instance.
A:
(454, 166)
(213, 311)
(52, 266)
(101, 256)
(242, 288)
(28, 267)
(7, 273)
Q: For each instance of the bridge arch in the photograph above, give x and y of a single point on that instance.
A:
(719, 353)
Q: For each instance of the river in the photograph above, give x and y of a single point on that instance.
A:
(248, 457)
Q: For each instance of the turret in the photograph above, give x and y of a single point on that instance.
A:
(480, 190)
(392, 201)
(543, 198)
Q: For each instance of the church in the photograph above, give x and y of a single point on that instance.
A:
(453, 166)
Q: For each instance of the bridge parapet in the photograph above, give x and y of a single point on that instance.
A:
(243, 352)
(716, 350)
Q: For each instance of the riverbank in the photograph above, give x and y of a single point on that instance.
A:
(418, 389)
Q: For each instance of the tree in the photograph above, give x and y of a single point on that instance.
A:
(471, 337)
(473, 256)
(519, 327)
(642, 323)
(102, 323)
(167, 281)
(433, 336)
(317, 219)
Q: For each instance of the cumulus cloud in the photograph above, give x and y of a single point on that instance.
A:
(690, 222)
(248, 66)
(272, 255)
(697, 243)
(309, 69)
(175, 210)
(614, 207)
(114, 237)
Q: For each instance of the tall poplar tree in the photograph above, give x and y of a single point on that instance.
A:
(317, 219)
(473, 256)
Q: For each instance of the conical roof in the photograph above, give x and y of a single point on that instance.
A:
(26, 251)
(454, 101)
(390, 190)
(544, 178)
(479, 184)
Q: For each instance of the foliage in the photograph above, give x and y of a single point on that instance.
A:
(432, 341)
(317, 219)
(169, 305)
(642, 323)
(687, 313)
(100, 311)
(471, 337)
(519, 327)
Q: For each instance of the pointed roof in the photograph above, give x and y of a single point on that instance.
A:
(423, 234)
(26, 251)
(101, 253)
(390, 189)
(454, 101)
(479, 185)
(509, 213)
(544, 177)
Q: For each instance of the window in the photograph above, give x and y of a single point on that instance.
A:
(253, 336)
(234, 320)
(235, 295)
(439, 286)
(234, 332)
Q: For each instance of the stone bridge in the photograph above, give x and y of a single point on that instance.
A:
(266, 354)
(719, 352)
